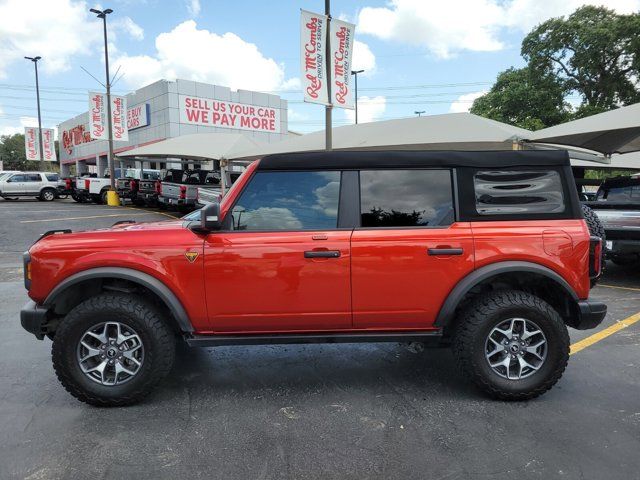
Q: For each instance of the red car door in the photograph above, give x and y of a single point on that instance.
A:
(409, 252)
(283, 266)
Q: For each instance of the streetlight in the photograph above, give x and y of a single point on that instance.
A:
(112, 172)
(419, 113)
(355, 74)
(35, 63)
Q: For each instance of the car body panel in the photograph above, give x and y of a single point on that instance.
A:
(261, 282)
(396, 283)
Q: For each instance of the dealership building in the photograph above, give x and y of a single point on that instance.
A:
(168, 109)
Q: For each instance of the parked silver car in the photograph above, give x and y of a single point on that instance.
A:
(42, 185)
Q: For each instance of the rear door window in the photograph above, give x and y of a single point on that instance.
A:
(406, 198)
(306, 200)
(518, 192)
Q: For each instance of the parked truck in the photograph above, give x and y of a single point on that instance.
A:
(617, 206)
(182, 190)
(128, 186)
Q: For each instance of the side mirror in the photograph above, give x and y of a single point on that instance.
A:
(210, 217)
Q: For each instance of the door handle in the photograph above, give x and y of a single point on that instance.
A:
(445, 251)
(322, 254)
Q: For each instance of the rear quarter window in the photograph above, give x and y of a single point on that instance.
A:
(518, 192)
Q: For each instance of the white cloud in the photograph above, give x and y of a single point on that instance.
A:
(369, 109)
(445, 28)
(58, 33)
(464, 102)
(193, 7)
(198, 54)
(363, 58)
(127, 25)
(16, 126)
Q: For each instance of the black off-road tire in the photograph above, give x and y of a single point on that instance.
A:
(488, 311)
(595, 229)
(156, 335)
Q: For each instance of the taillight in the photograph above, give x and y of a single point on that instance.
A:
(595, 257)
(158, 187)
(183, 192)
(86, 183)
(133, 185)
(67, 183)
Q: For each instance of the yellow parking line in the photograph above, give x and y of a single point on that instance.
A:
(157, 213)
(602, 334)
(83, 218)
(621, 288)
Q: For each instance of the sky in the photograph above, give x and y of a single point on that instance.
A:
(431, 56)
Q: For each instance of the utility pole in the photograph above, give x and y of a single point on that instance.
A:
(327, 62)
(35, 63)
(419, 113)
(355, 74)
(112, 171)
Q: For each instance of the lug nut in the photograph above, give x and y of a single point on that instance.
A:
(110, 362)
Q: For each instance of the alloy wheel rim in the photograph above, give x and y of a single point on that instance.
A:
(516, 348)
(110, 353)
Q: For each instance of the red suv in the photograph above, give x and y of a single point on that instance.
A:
(485, 251)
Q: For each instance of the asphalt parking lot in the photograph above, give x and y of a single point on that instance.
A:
(328, 411)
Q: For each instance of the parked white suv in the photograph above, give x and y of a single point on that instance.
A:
(42, 185)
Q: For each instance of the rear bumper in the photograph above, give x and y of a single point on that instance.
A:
(591, 314)
(33, 319)
(176, 201)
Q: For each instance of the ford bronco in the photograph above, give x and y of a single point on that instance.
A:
(486, 252)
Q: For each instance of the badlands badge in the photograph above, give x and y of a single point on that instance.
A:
(191, 256)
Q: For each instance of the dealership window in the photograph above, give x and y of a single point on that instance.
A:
(288, 201)
(503, 192)
(406, 198)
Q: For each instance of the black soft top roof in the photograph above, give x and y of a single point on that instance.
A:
(412, 159)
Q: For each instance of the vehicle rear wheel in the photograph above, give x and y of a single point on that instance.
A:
(48, 195)
(513, 345)
(112, 349)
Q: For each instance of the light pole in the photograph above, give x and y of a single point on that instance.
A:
(112, 171)
(355, 74)
(419, 113)
(35, 63)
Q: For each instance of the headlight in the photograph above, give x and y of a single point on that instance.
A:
(26, 259)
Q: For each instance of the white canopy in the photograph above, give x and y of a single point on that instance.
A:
(628, 161)
(616, 131)
(198, 146)
(459, 131)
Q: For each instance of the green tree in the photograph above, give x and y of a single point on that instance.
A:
(594, 52)
(13, 155)
(522, 98)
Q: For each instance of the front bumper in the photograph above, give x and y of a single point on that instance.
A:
(590, 315)
(34, 319)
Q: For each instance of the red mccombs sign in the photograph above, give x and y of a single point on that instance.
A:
(217, 113)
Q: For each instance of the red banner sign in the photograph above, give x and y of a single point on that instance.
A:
(313, 38)
(216, 113)
(31, 143)
(341, 34)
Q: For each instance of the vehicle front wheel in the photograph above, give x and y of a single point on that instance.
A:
(48, 195)
(112, 349)
(512, 345)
